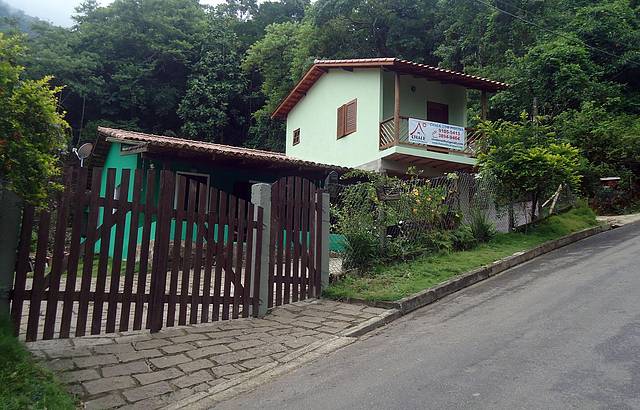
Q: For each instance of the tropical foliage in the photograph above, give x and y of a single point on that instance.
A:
(527, 161)
(32, 130)
(216, 73)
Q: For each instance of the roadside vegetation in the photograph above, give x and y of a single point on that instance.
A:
(23, 383)
(389, 282)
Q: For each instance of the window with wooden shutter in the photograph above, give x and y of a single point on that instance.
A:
(341, 121)
(347, 118)
(296, 136)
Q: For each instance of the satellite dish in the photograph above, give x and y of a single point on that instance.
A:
(83, 152)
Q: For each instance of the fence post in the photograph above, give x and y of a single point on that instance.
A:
(10, 211)
(324, 262)
(261, 196)
(161, 252)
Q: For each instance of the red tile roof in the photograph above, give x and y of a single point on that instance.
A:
(394, 64)
(164, 144)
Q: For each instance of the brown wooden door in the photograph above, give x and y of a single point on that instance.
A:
(437, 112)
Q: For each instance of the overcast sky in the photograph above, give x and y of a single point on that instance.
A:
(59, 11)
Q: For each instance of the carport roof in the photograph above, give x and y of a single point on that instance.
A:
(165, 146)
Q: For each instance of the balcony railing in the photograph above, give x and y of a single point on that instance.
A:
(388, 139)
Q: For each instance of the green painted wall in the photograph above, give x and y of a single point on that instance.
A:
(316, 116)
(414, 103)
(119, 162)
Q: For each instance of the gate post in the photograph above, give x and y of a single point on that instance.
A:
(324, 262)
(261, 196)
(10, 217)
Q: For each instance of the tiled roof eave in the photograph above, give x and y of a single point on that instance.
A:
(158, 143)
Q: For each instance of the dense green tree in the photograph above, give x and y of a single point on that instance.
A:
(559, 74)
(159, 65)
(32, 129)
(609, 141)
(527, 161)
(280, 58)
(214, 106)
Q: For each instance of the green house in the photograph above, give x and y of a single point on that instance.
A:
(383, 114)
(230, 169)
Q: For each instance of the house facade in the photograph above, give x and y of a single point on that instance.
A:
(384, 115)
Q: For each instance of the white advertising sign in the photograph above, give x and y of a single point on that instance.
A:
(436, 134)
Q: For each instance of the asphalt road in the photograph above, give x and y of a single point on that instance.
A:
(560, 332)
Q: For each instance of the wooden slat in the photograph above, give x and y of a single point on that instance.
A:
(319, 244)
(256, 287)
(248, 268)
(312, 241)
(280, 241)
(228, 254)
(304, 245)
(161, 254)
(177, 254)
(57, 258)
(74, 250)
(187, 259)
(87, 261)
(210, 252)
(131, 251)
(105, 242)
(272, 242)
(287, 280)
(197, 268)
(38, 276)
(237, 286)
(217, 282)
(149, 209)
(114, 283)
(295, 236)
(22, 266)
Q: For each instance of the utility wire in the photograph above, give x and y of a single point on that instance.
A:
(565, 36)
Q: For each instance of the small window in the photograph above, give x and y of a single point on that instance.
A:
(296, 136)
(347, 118)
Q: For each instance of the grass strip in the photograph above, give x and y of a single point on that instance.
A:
(23, 383)
(393, 282)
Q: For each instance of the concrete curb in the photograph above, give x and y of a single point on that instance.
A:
(250, 380)
(428, 296)
(371, 324)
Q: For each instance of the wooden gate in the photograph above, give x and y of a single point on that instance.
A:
(145, 251)
(295, 242)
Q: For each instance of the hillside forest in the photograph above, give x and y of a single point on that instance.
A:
(177, 67)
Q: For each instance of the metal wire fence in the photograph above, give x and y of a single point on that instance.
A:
(412, 209)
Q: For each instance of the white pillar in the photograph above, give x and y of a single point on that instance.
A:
(261, 196)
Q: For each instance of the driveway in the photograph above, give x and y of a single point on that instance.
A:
(560, 332)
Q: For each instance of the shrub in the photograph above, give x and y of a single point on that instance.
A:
(385, 218)
(463, 238)
(361, 249)
(481, 227)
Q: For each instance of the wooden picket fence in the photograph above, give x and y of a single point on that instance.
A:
(296, 241)
(191, 256)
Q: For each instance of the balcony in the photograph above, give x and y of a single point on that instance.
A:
(389, 138)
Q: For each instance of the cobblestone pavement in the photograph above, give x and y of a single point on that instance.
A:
(143, 370)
